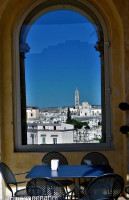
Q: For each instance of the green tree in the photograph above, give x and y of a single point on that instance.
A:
(77, 124)
(87, 127)
(68, 121)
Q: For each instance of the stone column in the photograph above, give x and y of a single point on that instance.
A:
(24, 48)
(100, 47)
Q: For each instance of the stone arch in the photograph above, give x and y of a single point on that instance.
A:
(10, 26)
(96, 19)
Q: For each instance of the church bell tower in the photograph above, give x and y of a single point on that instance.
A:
(76, 99)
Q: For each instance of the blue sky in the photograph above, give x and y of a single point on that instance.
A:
(62, 58)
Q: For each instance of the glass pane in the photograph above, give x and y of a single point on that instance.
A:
(63, 79)
(43, 140)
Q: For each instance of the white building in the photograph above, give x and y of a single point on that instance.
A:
(91, 135)
(41, 133)
(87, 110)
(49, 126)
(32, 112)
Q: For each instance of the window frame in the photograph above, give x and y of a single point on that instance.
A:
(43, 139)
(81, 8)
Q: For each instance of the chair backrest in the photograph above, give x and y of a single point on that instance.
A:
(45, 188)
(94, 158)
(108, 186)
(7, 175)
(127, 189)
(46, 160)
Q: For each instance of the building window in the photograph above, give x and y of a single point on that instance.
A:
(43, 140)
(32, 136)
(64, 56)
(54, 140)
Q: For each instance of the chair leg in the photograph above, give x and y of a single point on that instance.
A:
(66, 191)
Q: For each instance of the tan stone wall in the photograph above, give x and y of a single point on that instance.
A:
(116, 15)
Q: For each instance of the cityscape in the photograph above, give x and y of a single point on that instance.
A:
(81, 123)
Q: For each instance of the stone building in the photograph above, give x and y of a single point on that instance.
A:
(41, 133)
(32, 112)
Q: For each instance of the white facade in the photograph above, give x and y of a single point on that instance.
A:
(55, 137)
(87, 110)
(57, 116)
(85, 105)
(91, 135)
(46, 133)
(96, 111)
(32, 113)
(49, 133)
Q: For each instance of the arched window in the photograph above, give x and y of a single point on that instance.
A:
(64, 56)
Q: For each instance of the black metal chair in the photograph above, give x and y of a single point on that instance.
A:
(46, 160)
(94, 159)
(127, 190)
(10, 179)
(105, 187)
(45, 188)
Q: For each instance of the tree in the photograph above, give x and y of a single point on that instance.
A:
(68, 121)
(77, 124)
(87, 127)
